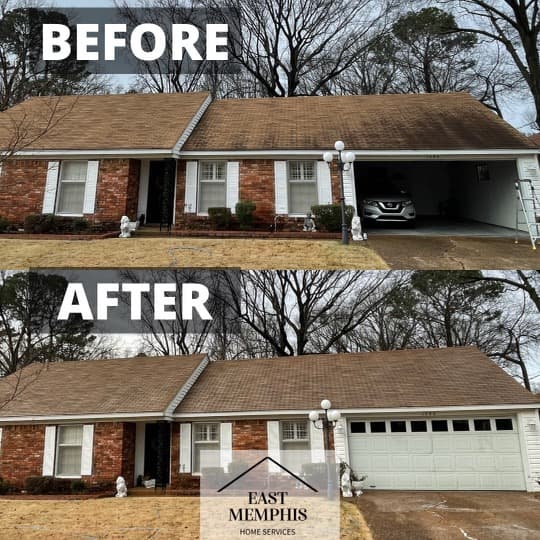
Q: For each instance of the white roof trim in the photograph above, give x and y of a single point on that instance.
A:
(366, 411)
(119, 153)
(191, 126)
(169, 411)
(79, 417)
(369, 154)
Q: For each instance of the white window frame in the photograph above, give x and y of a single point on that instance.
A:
(214, 180)
(196, 442)
(295, 439)
(57, 447)
(61, 182)
(302, 180)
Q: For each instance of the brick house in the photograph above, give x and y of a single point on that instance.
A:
(172, 156)
(412, 419)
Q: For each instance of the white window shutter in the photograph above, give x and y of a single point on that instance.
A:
(190, 197)
(49, 198)
(87, 449)
(225, 444)
(90, 188)
(274, 443)
(280, 186)
(185, 448)
(1, 434)
(233, 179)
(324, 183)
(348, 187)
(316, 440)
(49, 450)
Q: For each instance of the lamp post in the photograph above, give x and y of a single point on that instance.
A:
(327, 422)
(345, 161)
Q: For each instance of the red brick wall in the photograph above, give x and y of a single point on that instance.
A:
(22, 453)
(249, 435)
(22, 184)
(113, 453)
(256, 183)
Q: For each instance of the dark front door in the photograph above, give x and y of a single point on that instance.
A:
(157, 451)
(160, 205)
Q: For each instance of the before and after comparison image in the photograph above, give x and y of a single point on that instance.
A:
(269, 268)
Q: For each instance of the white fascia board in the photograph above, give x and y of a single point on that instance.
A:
(191, 126)
(397, 155)
(75, 154)
(348, 412)
(37, 419)
(186, 387)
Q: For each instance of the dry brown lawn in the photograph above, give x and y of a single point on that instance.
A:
(256, 254)
(133, 518)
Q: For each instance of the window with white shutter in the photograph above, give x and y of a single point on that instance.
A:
(212, 185)
(71, 187)
(69, 444)
(302, 182)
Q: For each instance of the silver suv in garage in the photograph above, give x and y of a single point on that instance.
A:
(388, 204)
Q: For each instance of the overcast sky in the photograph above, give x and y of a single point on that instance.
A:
(518, 111)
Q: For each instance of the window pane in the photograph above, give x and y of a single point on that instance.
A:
(309, 170)
(292, 431)
(211, 195)
(378, 427)
(504, 424)
(460, 425)
(482, 424)
(74, 171)
(439, 425)
(70, 435)
(69, 461)
(207, 432)
(211, 459)
(418, 426)
(398, 426)
(302, 195)
(70, 198)
(358, 427)
(295, 171)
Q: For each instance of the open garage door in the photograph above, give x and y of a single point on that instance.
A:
(460, 197)
(439, 454)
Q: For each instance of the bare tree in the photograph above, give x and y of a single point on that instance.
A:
(515, 24)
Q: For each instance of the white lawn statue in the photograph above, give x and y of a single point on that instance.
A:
(121, 487)
(356, 229)
(125, 227)
(346, 485)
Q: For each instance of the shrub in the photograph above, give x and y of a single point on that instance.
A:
(5, 224)
(51, 224)
(78, 486)
(244, 213)
(47, 485)
(5, 487)
(328, 216)
(220, 218)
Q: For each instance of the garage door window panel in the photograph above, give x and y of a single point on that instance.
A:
(70, 199)
(504, 424)
(377, 427)
(398, 426)
(418, 426)
(482, 424)
(358, 427)
(460, 425)
(439, 425)
(302, 181)
(212, 185)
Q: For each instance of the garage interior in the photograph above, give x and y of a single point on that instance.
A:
(450, 197)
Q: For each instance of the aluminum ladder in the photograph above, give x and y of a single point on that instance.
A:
(527, 210)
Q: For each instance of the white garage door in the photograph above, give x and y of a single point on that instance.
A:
(463, 453)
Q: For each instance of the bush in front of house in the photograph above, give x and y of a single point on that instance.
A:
(328, 216)
(78, 486)
(220, 218)
(5, 224)
(5, 487)
(51, 224)
(47, 485)
(244, 213)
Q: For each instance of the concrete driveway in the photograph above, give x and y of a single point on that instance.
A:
(454, 252)
(451, 515)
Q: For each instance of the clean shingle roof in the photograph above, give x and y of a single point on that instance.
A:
(454, 121)
(102, 122)
(408, 378)
(134, 385)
